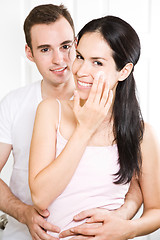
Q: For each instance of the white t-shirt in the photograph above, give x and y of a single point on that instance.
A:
(17, 114)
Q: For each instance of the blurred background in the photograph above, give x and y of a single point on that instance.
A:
(143, 15)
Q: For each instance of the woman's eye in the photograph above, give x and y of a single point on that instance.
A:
(98, 63)
(79, 56)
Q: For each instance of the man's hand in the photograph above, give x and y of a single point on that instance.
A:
(110, 226)
(82, 227)
(37, 224)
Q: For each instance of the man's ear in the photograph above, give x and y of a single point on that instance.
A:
(125, 72)
(29, 53)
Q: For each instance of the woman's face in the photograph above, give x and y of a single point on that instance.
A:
(93, 55)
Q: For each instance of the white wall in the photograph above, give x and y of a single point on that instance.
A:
(143, 15)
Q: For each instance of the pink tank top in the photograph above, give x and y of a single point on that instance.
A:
(91, 185)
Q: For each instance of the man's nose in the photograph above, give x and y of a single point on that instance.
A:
(57, 57)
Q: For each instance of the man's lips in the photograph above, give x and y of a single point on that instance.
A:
(58, 70)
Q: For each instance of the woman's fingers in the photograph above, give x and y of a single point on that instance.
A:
(76, 101)
(93, 91)
(100, 87)
(99, 94)
(109, 100)
(105, 93)
(96, 87)
(106, 97)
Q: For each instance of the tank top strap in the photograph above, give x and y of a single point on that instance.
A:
(59, 115)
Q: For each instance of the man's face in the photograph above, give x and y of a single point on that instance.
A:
(53, 50)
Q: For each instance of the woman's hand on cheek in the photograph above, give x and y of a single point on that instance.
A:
(96, 107)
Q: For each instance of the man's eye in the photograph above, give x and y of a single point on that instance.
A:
(66, 46)
(45, 50)
(98, 63)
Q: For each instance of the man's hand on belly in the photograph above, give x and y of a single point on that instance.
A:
(101, 224)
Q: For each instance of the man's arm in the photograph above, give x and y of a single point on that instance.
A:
(22, 212)
(133, 201)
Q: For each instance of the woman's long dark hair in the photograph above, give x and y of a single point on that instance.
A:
(128, 122)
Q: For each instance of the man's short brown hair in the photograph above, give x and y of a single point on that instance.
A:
(45, 14)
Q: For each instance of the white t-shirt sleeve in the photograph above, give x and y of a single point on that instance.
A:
(5, 120)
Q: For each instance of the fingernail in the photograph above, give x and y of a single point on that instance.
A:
(72, 230)
(76, 217)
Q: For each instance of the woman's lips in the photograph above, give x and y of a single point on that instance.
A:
(84, 84)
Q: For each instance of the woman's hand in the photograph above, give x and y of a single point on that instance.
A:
(96, 108)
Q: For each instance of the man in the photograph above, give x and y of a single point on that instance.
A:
(49, 33)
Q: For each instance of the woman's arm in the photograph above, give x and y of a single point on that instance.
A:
(48, 176)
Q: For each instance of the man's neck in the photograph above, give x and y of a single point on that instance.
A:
(62, 91)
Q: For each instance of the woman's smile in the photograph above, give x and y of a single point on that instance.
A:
(82, 84)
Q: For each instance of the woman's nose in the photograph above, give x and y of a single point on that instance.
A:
(84, 70)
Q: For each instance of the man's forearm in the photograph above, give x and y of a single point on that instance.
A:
(133, 202)
(10, 204)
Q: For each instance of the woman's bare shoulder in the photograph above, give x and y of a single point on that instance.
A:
(149, 133)
(150, 143)
(50, 107)
(47, 111)
(49, 102)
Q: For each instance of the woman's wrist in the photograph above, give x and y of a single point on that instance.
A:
(83, 132)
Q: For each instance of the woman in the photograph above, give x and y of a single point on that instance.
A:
(84, 152)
